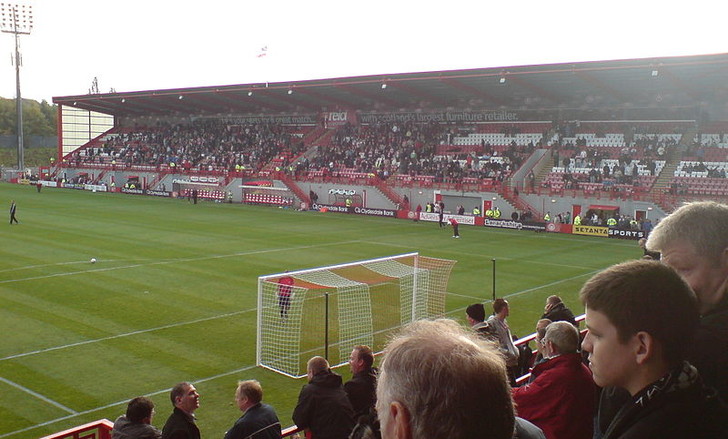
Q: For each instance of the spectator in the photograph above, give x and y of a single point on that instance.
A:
(541, 326)
(646, 253)
(641, 318)
(323, 407)
(556, 311)
(440, 381)
(560, 399)
(694, 241)
(259, 421)
(505, 339)
(475, 314)
(181, 423)
(137, 422)
(362, 387)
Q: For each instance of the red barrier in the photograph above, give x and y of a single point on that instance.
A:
(100, 429)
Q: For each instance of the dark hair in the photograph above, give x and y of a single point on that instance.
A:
(178, 391)
(139, 408)
(553, 300)
(646, 296)
(499, 304)
(476, 312)
(365, 354)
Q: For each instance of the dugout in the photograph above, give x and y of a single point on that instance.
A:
(602, 211)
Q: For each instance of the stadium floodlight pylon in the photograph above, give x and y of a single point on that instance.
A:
(342, 306)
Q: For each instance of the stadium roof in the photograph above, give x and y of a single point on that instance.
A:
(672, 81)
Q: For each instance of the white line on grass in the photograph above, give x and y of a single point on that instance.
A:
(39, 396)
(111, 337)
(500, 258)
(127, 334)
(176, 261)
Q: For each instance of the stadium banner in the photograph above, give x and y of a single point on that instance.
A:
(95, 187)
(79, 187)
(338, 118)
(514, 225)
(434, 217)
(356, 209)
(626, 233)
(503, 224)
(153, 193)
(590, 230)
(442, 116)
(534, 225)
(303, 119)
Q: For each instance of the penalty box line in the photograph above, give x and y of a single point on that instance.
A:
(38, 395)
(177, 261)
(81, 343)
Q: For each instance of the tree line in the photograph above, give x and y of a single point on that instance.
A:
(39, 118)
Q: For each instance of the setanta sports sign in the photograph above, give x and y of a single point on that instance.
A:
(626, 234)
(590, 230)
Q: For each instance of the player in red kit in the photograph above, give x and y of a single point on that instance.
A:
(454, 224)
(285, 290)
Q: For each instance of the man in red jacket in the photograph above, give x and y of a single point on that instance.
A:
(560, 400)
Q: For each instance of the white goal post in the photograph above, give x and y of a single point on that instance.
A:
(328, 310)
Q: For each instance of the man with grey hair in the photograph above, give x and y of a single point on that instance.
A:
(560, 399)
(693, 241)
(439, 380)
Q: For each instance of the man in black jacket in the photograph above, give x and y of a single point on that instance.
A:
(362, 388)
(259, 421)
(556, 311)
(323, 407)
(181, 423)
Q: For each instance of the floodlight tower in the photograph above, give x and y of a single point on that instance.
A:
(17, 19)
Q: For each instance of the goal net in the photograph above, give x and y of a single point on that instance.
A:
(327, 311)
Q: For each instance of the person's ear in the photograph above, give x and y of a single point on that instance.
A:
(400, 418)
(644, 347)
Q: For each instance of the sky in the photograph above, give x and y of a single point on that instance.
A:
(135, 45)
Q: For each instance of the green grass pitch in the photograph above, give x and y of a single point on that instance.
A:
(172, 295)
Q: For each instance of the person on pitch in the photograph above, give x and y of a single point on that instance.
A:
(285, 291)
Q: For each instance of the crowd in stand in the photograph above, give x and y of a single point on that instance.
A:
(405, 149)
(203, 144)
(408, 149)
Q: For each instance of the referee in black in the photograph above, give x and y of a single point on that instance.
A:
(13, 207)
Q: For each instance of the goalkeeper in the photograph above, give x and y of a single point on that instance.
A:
(285, 290)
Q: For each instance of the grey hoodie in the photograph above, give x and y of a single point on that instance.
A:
(126, 429)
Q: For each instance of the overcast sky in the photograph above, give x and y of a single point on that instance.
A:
(136, 45)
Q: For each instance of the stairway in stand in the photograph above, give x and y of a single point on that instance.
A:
(391, 195)
(288, 181)
(516, 202)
